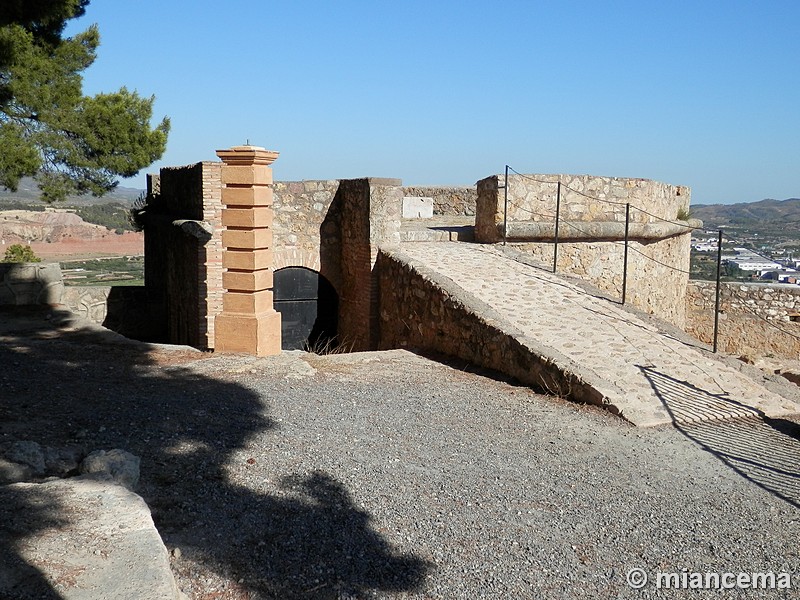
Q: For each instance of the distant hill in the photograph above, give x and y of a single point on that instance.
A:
(780, 213)
(28, 192)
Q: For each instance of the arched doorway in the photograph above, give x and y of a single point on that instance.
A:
(309, 308)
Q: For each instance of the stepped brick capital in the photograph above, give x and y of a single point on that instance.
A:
(247, 156)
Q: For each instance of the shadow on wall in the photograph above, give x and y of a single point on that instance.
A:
(77, 387)
(763, 450)
(129, 313)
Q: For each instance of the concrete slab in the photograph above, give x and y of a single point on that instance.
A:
(80, 539)
(647, 377)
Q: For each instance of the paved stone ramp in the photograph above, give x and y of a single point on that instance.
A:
(648, 377)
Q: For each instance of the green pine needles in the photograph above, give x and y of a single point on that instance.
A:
(71, 143)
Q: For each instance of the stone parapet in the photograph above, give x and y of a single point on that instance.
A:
(591, 218)
(456, 201)
(755, 319)
(30, 283)
(594, 230)
(583, 198)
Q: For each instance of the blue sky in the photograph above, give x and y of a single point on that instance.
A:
(702, 93)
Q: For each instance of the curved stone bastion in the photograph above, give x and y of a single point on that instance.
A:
(578, 223)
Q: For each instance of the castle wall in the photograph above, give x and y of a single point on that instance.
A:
(183, 249)
(307, 227)
(591, 220)
(755, 318)
(447, 201)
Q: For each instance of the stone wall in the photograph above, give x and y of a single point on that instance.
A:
(449, 201)
(755, 319)
(30, 283)
(370, 216)
(307, 227)
(421, 310)
(122, 309)
(591, 232)
(652, 286)
(183, 249)
(583, 198)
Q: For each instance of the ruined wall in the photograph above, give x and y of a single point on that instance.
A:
(755, 319)
(591, 233)
(450, 201)
(307, 226)
(183, 249)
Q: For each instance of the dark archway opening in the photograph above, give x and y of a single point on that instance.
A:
(309, 307)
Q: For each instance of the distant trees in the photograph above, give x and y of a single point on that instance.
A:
(17, 253)
(71, 143)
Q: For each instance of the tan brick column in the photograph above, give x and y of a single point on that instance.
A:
(248, 322)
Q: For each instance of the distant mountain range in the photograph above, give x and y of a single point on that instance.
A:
(748, 214)
(29, 192)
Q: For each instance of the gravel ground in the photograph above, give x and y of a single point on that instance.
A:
(387, 475)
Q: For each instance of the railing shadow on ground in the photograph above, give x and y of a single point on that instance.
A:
(62, 387)
(763, 450)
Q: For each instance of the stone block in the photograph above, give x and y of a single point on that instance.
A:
(116, 465)
(249, 239)
(258, 334)
(247, 302)
(247, 260)
(247, 196)
(248, 281)
(259, 216)
(245, 175)
(415, 207)
(27, 453)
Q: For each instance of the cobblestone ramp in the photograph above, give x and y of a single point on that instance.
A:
(648, 377)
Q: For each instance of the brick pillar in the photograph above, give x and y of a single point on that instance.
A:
(248, 322)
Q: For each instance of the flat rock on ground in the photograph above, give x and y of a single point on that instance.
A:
(80, 539)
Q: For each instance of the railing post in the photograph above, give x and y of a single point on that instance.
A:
(555, 237)
(505, 209)
(625, 256)
(716, 301)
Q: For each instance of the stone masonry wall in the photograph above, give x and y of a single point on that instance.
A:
(420, 310)
(657, 267)
(755, 319)
(450, 201)
(120, 308)
(370, 217)
(652, 286)
(30, 283)
(183, 249)
(307, 226)
(583, 198)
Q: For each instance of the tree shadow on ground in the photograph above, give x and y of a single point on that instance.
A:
(62, 385)
(763, 450)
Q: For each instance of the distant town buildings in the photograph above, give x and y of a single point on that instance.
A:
(780, 267)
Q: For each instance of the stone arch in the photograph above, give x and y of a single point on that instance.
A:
(309, 307)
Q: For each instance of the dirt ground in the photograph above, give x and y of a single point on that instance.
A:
(128, 244)
(388, 475)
